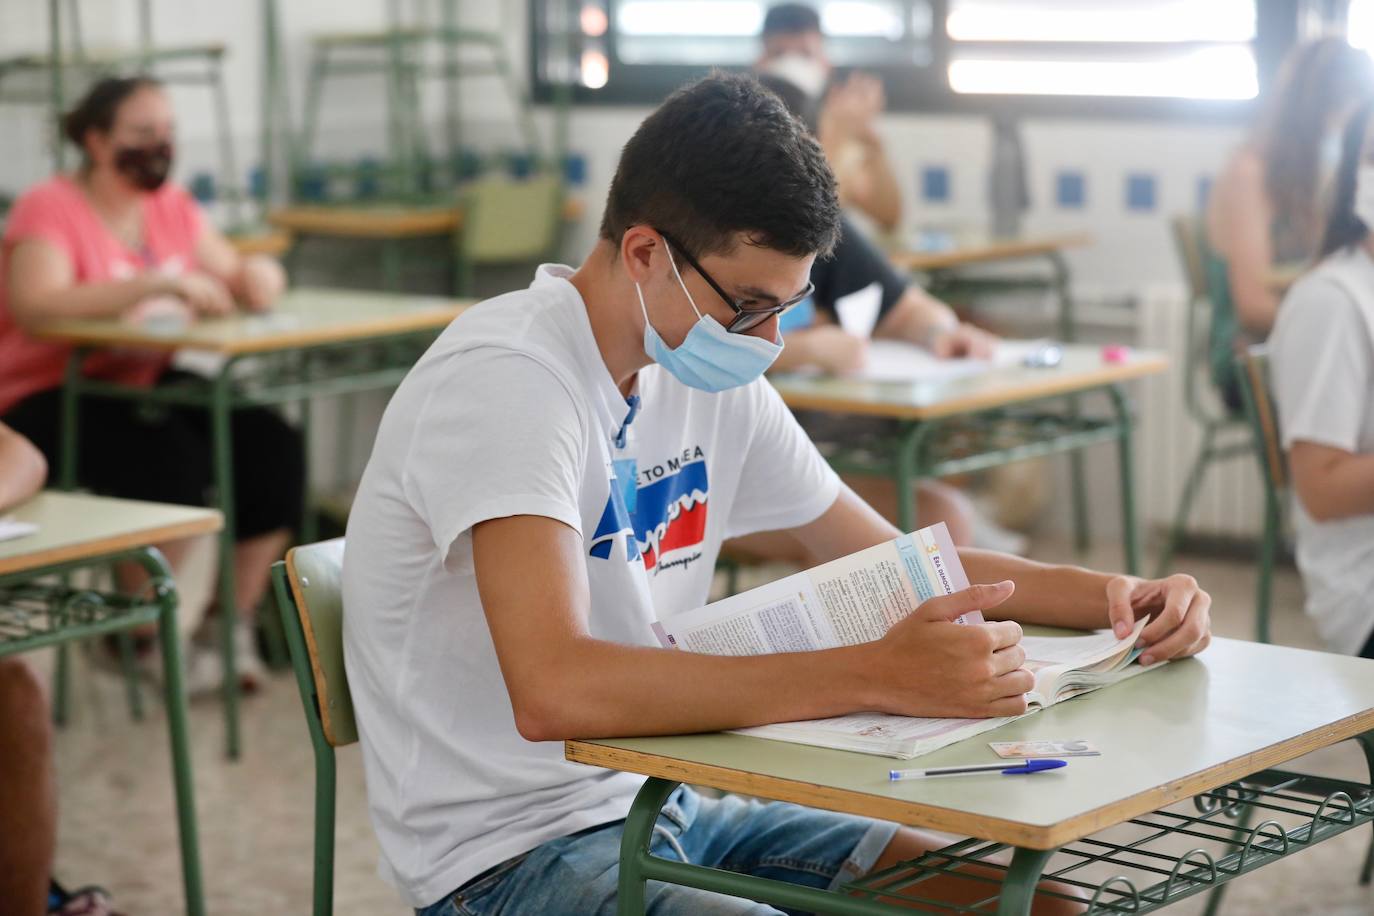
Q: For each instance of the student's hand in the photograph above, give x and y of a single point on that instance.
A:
(930, 666)
(1179, 609)
(851, 109)
(203, 293)
(263, 280)
(963, 340)
(834, 349)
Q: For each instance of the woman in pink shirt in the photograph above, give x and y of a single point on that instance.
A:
(116, 239)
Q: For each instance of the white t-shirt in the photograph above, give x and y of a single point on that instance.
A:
(513, 412)
(1322, 365)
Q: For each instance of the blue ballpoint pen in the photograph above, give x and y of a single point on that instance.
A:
(1030, 766)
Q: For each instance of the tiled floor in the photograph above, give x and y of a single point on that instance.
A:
(117, 824)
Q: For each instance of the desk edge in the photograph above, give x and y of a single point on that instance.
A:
(90, 550)
(1014, 833)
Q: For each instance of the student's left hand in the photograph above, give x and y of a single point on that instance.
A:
(963, 340)
(263, 281)
(1179, 609)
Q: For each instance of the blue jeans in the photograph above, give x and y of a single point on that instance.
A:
(576, 875)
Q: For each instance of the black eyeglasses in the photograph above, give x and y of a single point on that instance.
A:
(745, 319)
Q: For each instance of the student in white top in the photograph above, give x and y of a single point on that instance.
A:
(563, 463)
(1322, 365)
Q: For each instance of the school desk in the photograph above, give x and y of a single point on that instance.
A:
(1190, 757)
(314, 342)
(40, 608)
(956, 426)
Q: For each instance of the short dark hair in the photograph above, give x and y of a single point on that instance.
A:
(100, 104)
(791, 18)
(1343, 227)
(719, 157)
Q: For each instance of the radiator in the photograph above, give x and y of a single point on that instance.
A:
(1230, 502)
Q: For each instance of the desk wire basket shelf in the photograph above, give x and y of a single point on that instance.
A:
(1150, 861)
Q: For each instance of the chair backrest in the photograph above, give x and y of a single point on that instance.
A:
(310, 597)
(1257, 392)
(1188, 240)
(511, 222)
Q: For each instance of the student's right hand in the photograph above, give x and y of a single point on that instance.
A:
(927, 665)
(835, 350)
(203, 293)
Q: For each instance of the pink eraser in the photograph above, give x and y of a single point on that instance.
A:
(1115, 353)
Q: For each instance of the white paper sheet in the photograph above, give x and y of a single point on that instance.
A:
(858, 311)
(897, 361)
(11, 528)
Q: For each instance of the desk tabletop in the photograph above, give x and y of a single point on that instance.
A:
(74, 526)
(986, 249)
(1165, 736)
(384, 221)
(305, 316)
(1082, 369)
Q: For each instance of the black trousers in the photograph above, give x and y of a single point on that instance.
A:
(163, 453)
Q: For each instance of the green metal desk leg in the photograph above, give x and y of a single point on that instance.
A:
(222, 446)
(1265, 572)
(1068, 332)
(157, 570)
(1367, 743)
(908, 472)
(391, 264)
(1130, 535)
(309, 534)
(66, 480)
(634, 843)
(1018, 890)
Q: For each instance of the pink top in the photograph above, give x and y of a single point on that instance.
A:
(57, 212)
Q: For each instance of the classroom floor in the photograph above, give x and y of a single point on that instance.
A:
(117, 825)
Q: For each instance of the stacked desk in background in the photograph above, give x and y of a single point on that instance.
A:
(315, 342)
(38, 608)
(975, 422)
(1207, 730)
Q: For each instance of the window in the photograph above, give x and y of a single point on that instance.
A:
(638, 50)
(1128, 48)
(1186, 58)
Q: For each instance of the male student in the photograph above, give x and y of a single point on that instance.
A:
(846, 111)
(561, 467)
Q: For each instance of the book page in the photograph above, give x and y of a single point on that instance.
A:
(847, 601)
(1050, 658)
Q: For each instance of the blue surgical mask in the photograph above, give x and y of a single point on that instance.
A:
(711, 358)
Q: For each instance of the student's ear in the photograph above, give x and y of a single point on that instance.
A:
(638, 247)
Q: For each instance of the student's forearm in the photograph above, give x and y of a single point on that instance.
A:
(598, 689)
(88, 300)
(916, 318)
(22, 469)
(1049, 595)
(884, 202)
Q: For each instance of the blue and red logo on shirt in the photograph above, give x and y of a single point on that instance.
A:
(664, 514)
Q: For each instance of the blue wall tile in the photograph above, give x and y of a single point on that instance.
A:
(1140, 192)
(1204, 191)
(935, 184)
(1071, 190)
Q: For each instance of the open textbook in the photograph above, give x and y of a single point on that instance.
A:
(857, 599)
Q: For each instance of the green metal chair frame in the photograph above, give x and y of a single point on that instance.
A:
(310, 597)
(1218, 429)
(507, 222)
(1257, 395)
